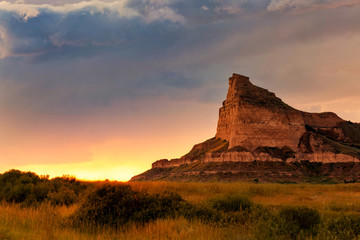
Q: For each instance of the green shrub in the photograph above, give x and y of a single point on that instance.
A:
(298, 220)
(16, 186)
(201, 212)
(289, 223)
(116, 205)
(163, 205)
(37, 194)
(231, 203)
(64, 196)
(29, 189)
(220, 211)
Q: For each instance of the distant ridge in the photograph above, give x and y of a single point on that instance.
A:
(259, 135)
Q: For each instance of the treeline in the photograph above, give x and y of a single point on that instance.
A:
(29, 189)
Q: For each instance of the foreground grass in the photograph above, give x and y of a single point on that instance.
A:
(52, 222)
(331, 199)
(48, 222)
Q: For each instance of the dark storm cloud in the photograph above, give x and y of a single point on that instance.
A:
(85, 55)
(82, 31)
(130, 27)
(87, 85)
(125, 26)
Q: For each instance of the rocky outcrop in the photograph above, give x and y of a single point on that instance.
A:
(252, 116)
(165, 163)
(257, 171)
(256, 126)
(239, 157)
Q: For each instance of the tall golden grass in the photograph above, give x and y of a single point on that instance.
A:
(325, 198)
(48, 222)
(51, 222)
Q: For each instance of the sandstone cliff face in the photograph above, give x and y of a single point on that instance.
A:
(252, 116)
(255, 125)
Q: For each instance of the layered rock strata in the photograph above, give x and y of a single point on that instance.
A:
(255, 125)
(252, 116)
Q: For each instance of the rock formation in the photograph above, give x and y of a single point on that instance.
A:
(252, 116)
(255, 125)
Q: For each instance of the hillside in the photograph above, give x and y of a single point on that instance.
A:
(261, 137)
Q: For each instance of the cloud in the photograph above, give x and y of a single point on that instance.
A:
(4, 43)
(85, 60)
(106, 56)
(23, 11)
(205, 8)
(291, 5)
(156, 10)
(27, 11)
(33, 30)
(132, 28)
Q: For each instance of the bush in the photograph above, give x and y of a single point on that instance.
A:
(163, 205)
(296, 221)
(221, 211)
(231, 203)
(116, 205)
(64, 196)
(201, 212)
(29, 189)
(289, 223)
(19, 187)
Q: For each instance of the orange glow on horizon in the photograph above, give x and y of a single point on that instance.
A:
(81, 172)
(116, 159)
(126, 148)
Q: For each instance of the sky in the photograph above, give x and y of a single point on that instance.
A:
(100, 89)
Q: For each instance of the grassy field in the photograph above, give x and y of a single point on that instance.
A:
(50, 223)
(326, 198)
(333, 202)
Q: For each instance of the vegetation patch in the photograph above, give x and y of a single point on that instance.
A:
(202, 212)
(238, 149)
(170, 210)
(351, 130)
(231, 203)
(281, 153)
(350, 146)
(117, 205)
(346, 227)
(29, 189)
(296, 221)
(211, 145)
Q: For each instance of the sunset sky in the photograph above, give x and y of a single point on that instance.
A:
(101, 89)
